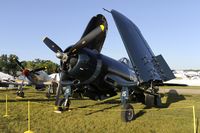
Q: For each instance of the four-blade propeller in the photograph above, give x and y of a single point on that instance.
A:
(77, 46)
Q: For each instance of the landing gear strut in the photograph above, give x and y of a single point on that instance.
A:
(51, 89)
(127, 112)
(63, 103)
(20, 92)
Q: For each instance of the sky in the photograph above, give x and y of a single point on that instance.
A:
(171, 27)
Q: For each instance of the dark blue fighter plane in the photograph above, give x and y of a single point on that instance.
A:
(85, 69)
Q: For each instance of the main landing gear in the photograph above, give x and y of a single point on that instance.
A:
(20, 92)
(127, 112)
(63, 104)
(51, 89)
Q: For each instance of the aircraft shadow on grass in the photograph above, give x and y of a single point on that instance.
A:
(172, 97)
(138, 114)
(116, 103)
(112, 101)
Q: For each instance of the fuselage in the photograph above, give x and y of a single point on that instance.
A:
(91, 68)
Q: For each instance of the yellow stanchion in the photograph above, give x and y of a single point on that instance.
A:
(194, 119)
(6, 114)
(29, 120)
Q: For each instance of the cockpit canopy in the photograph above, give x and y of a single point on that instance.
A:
(126, 61)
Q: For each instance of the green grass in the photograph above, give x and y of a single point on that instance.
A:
(97, 116)
(180, 87)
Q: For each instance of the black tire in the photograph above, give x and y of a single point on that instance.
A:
(20, 94)
(149, 100)
(127, 113)
(61, 106)
(48, 95)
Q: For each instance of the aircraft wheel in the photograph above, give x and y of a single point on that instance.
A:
(149, 100)
(20, 94)
(127, 113)
(61, 106)
(48, 95)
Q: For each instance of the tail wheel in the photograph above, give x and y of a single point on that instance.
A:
(62, 106)
(127, 113)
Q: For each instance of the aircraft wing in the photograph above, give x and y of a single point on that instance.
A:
(96, 21)
(139, 52)
(3, 83)
(19, 82)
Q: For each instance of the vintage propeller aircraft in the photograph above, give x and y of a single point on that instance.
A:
(6, 80)
(84, 68)
(37, 78)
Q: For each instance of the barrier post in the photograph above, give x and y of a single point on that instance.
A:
(6, 114)
(194, 119)
(29, 120)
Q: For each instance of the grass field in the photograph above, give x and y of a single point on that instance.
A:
(97, 116)
(180, 87)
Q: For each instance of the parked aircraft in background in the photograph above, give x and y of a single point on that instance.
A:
(36, 77)
(187, 78)
(7, 80)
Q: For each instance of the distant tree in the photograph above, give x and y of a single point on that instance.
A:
(38, 63)
(7, 65)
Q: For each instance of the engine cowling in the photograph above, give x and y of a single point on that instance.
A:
(82, 66)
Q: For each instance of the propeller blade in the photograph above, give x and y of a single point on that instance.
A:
(19, 64)
(52, 45)
(86, 39)
(38, 69)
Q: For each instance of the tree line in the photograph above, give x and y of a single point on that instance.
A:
(9, 66)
